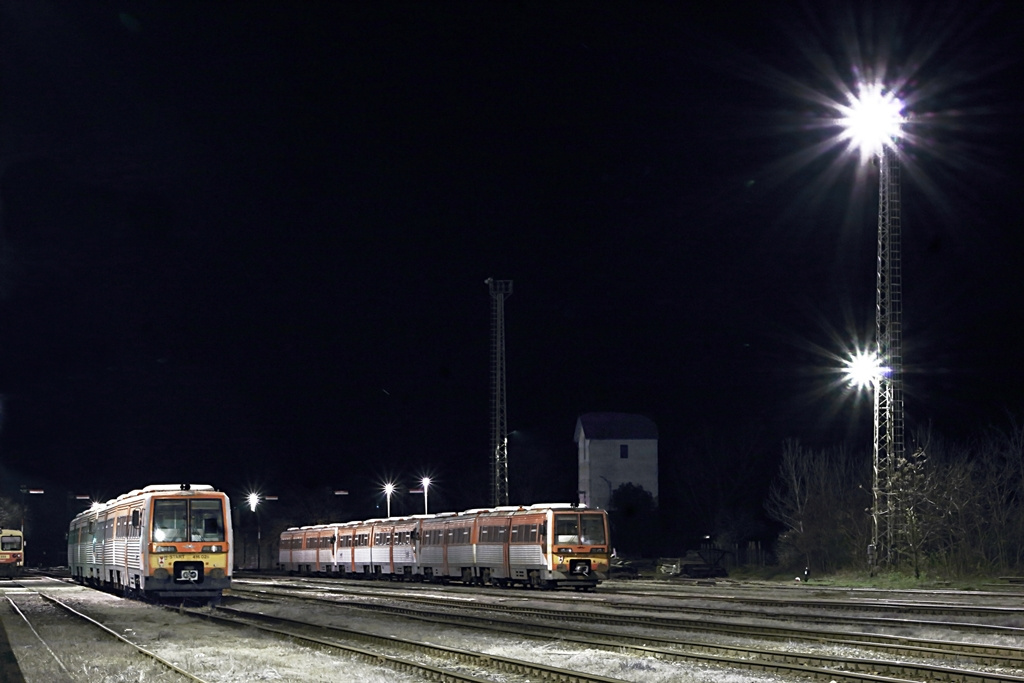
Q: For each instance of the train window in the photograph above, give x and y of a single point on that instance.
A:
(207, 520)
(592, 529)
(169, 519)
(10, 543)
(567, 529)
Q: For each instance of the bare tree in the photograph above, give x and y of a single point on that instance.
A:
(820, 498)
(10, 514)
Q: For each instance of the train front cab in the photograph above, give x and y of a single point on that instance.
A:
(578, 550)
(189, 552)
(12, 552)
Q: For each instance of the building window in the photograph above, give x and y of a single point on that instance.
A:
(624, 450)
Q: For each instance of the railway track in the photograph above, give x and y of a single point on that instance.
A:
(1004, 664)
(646, 613)
(439, 663)
(51, 620)
(851, 602)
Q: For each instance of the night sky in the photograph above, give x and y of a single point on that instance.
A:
(245, 244)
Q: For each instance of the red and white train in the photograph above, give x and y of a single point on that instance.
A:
(162, 541)
(544, 545)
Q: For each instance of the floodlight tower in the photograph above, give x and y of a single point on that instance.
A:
(500, 290)
(873, 123)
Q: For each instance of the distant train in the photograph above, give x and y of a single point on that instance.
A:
(12, 552)
(159, 542)
(544, 545)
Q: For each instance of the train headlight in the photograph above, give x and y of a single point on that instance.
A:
(164, 549)
(213, 548)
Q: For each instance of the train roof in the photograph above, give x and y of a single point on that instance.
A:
(557, 506)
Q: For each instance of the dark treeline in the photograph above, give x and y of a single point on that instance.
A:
(958, 506)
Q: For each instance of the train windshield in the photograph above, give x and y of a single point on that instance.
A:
(176, 520)
(579, 529)
(10, 543)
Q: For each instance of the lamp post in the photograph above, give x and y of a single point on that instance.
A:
(26, 490)
(426, 489)
(872, 122)
(389, 488)
(254, 500)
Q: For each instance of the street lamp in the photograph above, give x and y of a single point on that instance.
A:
(254, 499)
(426, 489)
(26, 490)
(872, 122)
(388, 489)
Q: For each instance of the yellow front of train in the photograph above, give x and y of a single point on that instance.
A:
(188, 545)
(579, 547)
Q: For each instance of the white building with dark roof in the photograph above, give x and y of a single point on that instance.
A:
(615, 449)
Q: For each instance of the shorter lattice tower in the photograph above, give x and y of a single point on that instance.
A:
(500, 290)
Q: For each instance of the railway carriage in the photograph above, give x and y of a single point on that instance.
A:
(311, 549)
(158, 542)
(403, 551)
(547, 546)
(12, 552)
(344, 553)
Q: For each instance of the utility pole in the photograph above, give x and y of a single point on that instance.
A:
(500, 290)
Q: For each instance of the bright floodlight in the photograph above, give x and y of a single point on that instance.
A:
(872, 119)
(864, 369)
(426, 487)
(389, 488)
(254, 500)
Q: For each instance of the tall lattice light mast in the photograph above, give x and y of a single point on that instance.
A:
(873, 123)
(500, 290)
(888, 442)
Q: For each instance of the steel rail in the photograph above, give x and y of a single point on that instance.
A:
(501, 664)
(818, 667)
(37, 635)
(833, 668)
(649, 620)
(988, 655)
(152, 655)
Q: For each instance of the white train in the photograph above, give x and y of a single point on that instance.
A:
(544, 545)
(159, 542)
